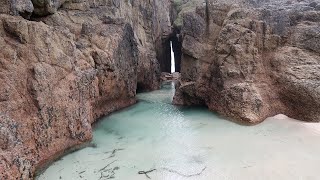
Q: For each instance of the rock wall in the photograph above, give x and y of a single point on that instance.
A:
(69, 64)
(65, 63)
(162, 41)
(252, 59)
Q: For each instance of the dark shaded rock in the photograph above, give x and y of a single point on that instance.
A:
(313, 4)
(110, 20)
(46, 7)
(17, 7)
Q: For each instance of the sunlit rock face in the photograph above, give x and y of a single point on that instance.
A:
(252, 59)
(73, 63)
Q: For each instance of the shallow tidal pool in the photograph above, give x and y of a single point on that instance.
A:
(156, 140)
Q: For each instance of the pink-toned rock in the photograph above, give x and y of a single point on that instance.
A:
(252, 60)
(61, 72)
(170, 76)
(78, 60)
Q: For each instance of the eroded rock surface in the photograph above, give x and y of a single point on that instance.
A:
(65, 63)
(252, 59)
(17, 7)
(73, 63)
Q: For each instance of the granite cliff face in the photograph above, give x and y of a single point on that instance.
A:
(63, 65)
(252, 59)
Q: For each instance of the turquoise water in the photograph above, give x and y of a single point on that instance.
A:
(191, 143)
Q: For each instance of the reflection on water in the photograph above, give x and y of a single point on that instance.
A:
(154, 139)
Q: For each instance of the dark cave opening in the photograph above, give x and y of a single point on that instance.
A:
(140, 87)
(167, 49)
(173, 68)
(176, 48)
(164, 47)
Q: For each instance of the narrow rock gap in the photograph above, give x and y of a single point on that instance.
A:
(168, 50)
(164, 54)
(176, 48)
(173, 64)
(140, 87)
(165, 47)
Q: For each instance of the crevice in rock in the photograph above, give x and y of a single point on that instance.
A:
(164, 54)
(141, 87)
(176, 47)
(164, 51)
